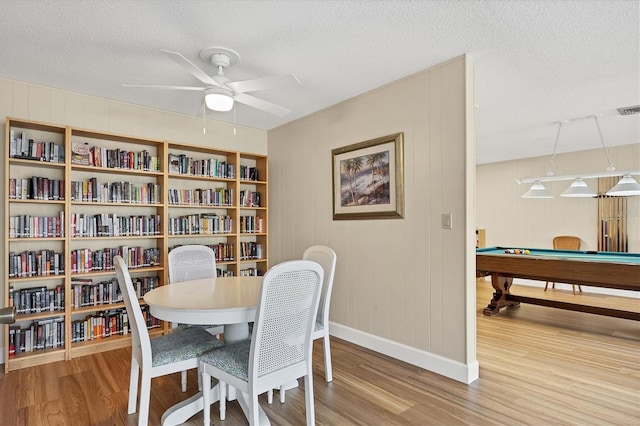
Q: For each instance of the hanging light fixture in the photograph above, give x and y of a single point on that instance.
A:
(578, 189)
(627, 186)
(219, 99)
(537, 190)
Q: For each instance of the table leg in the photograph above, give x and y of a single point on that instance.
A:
(234, 333)
(182, 411)
(501, 286)
(242, 400)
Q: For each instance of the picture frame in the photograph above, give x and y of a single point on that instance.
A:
(368, 179)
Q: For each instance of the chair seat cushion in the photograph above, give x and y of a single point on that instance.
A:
(181, 345)
(206, 327)
(232, 359)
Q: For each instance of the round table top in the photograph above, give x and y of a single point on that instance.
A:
(222, 300)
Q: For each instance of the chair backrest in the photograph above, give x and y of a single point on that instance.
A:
(191, 262)
(285, 319)
(566, 242)
(141, 344)
(326, 257)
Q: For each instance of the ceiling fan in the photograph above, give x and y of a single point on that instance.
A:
(220, 92)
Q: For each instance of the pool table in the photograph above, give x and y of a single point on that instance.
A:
(600, 269)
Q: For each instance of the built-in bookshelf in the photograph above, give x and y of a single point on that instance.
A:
(76, 198)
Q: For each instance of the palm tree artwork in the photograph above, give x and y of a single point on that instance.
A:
(365, 180)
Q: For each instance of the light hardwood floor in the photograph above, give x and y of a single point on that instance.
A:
(538, 366)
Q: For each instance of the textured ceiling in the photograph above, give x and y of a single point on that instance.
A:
(536, 62)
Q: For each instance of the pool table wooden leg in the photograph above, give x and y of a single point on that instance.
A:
(501, 286)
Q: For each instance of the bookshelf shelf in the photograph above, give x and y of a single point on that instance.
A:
(113, 176)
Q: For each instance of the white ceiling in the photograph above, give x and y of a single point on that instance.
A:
(536, 62)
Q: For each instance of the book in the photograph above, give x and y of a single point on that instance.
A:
(80, 153)
(174, 164)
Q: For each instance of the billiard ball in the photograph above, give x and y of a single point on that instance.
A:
(527, 252)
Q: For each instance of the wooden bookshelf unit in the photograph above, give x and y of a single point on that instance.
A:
(75, 198)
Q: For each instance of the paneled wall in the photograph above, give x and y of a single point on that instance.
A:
(404, 287)
(514, 221)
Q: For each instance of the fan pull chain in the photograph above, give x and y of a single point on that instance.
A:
(204, 123)
(234, 120)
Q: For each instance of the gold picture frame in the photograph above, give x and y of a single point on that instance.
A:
(368, 179)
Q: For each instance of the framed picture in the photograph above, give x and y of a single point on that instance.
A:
(368, 180)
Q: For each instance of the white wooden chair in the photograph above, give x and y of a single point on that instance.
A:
(192, 262)
(327, 258)
(178, 351)
(280, 347)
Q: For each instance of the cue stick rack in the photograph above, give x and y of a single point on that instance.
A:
(612, 218)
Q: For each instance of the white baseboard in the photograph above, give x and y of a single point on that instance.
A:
(435, 363)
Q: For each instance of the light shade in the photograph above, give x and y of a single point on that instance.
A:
(625, 187)
(218, 100)
(537, 190)
(578, 189)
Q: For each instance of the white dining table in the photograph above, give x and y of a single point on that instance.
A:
(227, 301)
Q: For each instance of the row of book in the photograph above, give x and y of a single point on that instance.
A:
(27, 226)
(249, 198)
(113, 225)
(39, 335)
(83, 154)
(251, 272)
(86, 260)
(251, 225)
(212, 167)
(32, 263)
(37, 299)
(224, 252)
(249, 173)
(114, 322)
(200, 224)
(115, 192)
(25, 148)
(201, 197)
(36, 188)
(250, 250)
(105, 324)
(86, 293)
(224, 273)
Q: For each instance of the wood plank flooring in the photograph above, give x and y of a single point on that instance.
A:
(537, 366)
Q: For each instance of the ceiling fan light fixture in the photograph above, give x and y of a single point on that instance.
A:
(578, 189)
(625, 187)
(218, 100)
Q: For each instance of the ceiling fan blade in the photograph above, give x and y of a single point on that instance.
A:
(261, 104)
(152, 86)
(191, 67)
(263, 83)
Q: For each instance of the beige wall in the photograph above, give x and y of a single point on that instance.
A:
(30, 102)
(404, 287)
(514, 221)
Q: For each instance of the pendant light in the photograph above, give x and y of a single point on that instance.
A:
(537, 190)
(578, 189)
(625, 187)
